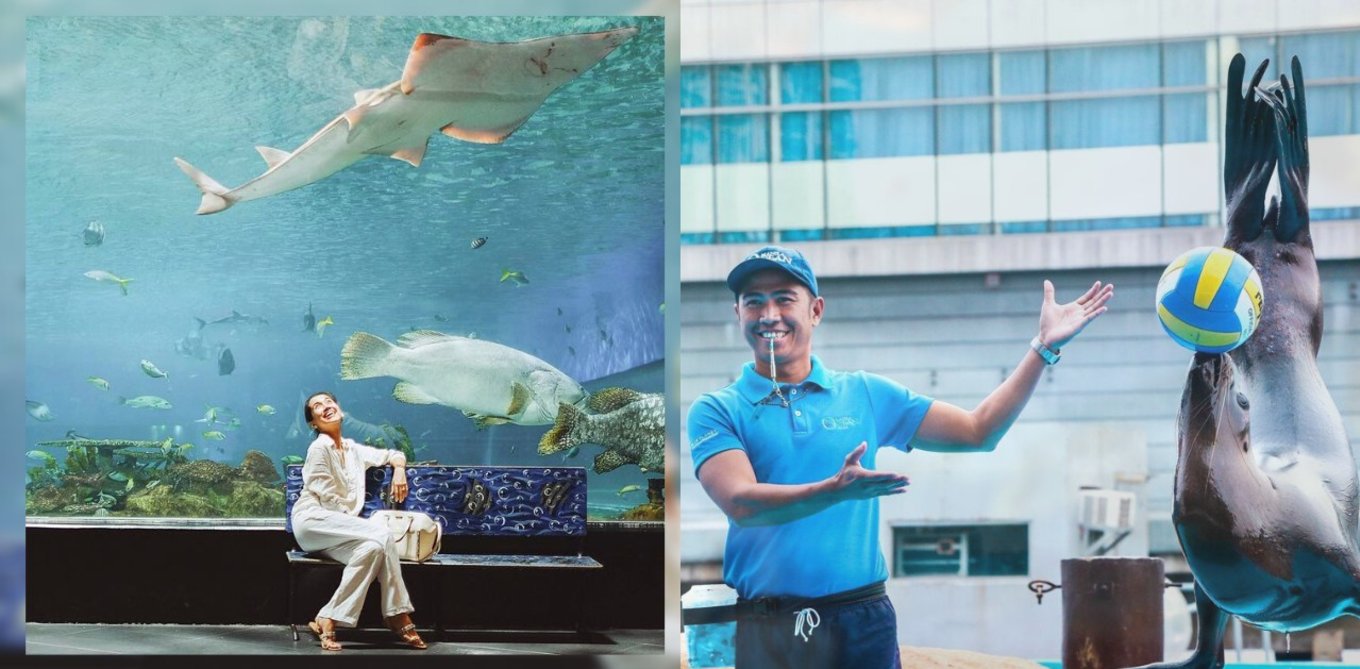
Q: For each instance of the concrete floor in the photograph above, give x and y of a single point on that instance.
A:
(82, 639)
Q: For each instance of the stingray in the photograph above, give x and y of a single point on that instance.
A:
(473, 91)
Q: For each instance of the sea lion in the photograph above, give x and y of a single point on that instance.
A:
(1266, 484)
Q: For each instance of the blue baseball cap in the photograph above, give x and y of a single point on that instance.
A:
(772, 257)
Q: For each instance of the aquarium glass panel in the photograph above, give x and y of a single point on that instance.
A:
(478, 289)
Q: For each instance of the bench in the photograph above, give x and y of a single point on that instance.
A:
(474, 501)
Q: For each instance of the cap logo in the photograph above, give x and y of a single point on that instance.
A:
(776, 256)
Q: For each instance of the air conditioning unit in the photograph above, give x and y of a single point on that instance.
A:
(1106, 510)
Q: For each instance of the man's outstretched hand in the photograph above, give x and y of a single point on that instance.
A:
(853, 481)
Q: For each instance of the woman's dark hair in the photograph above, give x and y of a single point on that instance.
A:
(307, 406)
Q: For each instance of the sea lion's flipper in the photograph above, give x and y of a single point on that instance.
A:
(1291, 144)
(1249, 153)
(1209, 640)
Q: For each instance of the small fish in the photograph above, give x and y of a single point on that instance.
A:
(266, 410)
(214, 435)
(291, 460)
(38, 410)
(118, 476)
(441, 319)
(152, 370)
(631, 487)
(234, 423)
(98, 383)
(131, 483)
(151, 485)
(322, 324)
(662, 308)
(209, 416)
(226, 362)
(568, 328)
(309, 320)
(94, 233)
(571, 350)
(238, 317)
(47, 459)
(559, 311)
(146, 402)
(571, 453)
(514, 276)
(478, 242)
(101, 275)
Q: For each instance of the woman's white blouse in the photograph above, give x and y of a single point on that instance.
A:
(333, 485)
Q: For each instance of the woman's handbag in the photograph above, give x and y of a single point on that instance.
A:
(416, 534)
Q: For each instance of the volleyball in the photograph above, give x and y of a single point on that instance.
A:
(1209, 300)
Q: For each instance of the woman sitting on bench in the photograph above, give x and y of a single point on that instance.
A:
(326, 521)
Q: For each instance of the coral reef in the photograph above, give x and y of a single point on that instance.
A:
(257, 467)
(146, 481)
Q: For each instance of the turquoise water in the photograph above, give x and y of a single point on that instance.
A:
(573, 200)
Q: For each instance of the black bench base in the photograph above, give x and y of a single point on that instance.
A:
(583, 565)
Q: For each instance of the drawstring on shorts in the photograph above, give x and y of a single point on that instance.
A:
(808, 618)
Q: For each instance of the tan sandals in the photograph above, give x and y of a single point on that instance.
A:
(409, 636)
(407, 632)
(328, 641)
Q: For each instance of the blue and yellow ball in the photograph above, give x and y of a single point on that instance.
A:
(1209, 300)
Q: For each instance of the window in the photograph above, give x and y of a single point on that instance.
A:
(879, 133)
(696, 87)
(743, 138)
(1024, 126)
(963, 75)
(1323, 55)
(908, 78)
(800, 82)
(1187, 117)
(1331, 109)
(800, 136)
(1185, 64)
(742, 85)
(965, 129)
(961, 550)
(1101, 122)
(800, 133)
(696, 140)
(1022, 73)
(1109, 68)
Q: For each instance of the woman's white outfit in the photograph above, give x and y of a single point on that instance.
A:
(326, 520)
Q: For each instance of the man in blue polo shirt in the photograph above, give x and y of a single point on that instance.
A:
(787, 452)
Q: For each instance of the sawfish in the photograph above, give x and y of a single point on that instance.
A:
(472, 91)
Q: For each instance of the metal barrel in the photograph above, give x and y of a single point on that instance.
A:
(1112, 612)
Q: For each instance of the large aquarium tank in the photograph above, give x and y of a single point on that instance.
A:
(169, 353)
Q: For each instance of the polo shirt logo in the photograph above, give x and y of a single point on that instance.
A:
(842, 423)
(704, 437)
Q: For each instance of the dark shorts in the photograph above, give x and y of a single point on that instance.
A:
(862, 635)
